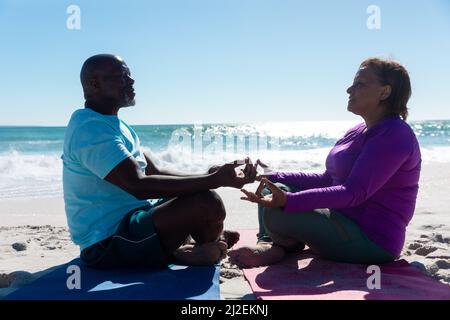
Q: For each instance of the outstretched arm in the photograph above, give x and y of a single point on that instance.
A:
(380, 159)
(152, 169)
(128, 176)
(301, 180)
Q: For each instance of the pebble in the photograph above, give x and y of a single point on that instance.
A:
(19, 246)
(414, 246)
(443, 264)
(425, 250)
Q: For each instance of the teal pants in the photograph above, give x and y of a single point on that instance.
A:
(329, 234)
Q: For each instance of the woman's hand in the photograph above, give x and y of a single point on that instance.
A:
(267, 170)
(213, 169)
(277, 199)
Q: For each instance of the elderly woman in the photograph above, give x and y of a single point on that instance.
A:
(358, 209)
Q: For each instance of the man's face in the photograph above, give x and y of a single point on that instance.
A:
(116, 85)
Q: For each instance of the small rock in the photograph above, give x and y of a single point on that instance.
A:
(432, 226)
(433, 268)
(444, 278)
(230, 273)
(438, 237)
(443, 264)
(414, 246)
(423, 251)
(19, 246)
(5, 280)
(51, 247)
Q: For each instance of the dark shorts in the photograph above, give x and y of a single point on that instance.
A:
(134, 244)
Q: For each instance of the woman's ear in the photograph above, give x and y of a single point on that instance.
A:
(385, 92)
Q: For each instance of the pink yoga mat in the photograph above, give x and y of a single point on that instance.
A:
(303, 276)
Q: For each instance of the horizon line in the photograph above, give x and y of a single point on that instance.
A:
(194, 123)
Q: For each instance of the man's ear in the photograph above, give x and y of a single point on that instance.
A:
(386, 92)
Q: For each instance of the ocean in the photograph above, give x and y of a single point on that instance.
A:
(30, 164)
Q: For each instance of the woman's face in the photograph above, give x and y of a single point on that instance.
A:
(366, 93)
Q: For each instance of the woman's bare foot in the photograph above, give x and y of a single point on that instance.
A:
(206, 254)
(256, 256)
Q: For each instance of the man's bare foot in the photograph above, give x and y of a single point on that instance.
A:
(227, 236)
(206, 254)
(230, 237)
(256, 256)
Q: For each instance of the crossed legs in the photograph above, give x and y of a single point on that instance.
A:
(199, 216)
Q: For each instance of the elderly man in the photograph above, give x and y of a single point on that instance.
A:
(108, 183)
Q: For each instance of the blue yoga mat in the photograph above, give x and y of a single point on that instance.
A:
(173, 283)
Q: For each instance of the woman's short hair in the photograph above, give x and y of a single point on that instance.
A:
(392, 73)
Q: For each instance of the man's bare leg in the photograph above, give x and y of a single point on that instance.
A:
(201, 216)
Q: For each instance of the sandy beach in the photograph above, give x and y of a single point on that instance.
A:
(34, 236)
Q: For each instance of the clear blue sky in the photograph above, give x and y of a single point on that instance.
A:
(219, 60)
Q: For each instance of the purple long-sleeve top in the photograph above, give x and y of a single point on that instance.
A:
(371, 176)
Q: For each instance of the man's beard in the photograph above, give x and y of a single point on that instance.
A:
(127, 101)
(131, 103)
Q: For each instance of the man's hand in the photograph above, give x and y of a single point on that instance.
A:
(246, 171)
(227, 176)
(277, 199)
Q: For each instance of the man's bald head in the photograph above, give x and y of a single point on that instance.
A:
(98, 65)
(106, 78)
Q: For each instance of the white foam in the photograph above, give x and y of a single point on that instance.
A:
(39, 175)
(28, 175)
(439, 154)
(181, 160)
